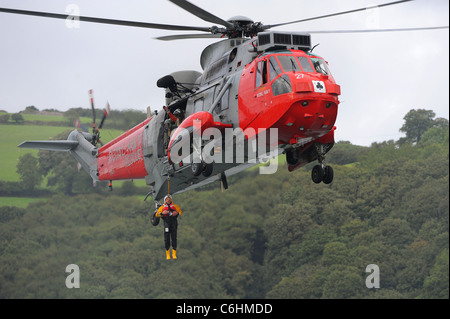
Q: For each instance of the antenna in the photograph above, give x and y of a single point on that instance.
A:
(313, 47)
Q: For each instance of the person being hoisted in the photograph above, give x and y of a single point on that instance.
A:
(169, 213)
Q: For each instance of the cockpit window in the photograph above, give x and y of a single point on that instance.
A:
(320, 66)
(306, 65)
(281, 85)
(274, 68)
(261, 74)
(289, 63)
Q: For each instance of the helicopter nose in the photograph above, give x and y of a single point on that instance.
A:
(306, 119)
(301, 106)
(310, 110)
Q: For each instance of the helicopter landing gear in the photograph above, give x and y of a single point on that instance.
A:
(328, 175)
(202, 168)
(197, 168)
(317, 174)
(321, 172)
(208, 168)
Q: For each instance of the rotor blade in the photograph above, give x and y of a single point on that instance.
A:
(77, 124)
(189, 36)
(106, 21)
(202, 14)
(336, 14)
(380, 30)
(106, 111)
(91, 98)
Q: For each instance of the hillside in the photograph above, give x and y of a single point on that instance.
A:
(274, 236)
(267, 236)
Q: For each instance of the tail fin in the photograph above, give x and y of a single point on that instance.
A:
(50, 145)
(79, 147)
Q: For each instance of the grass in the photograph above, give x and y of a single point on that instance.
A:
(13, 135)
(49, 118)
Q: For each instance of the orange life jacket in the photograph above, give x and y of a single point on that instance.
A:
(169, 208)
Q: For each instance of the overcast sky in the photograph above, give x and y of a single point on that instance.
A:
(382, 75)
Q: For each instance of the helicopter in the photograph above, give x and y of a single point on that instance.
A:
(255, 81)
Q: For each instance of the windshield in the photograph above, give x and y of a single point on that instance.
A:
(320, 66)
(306, 65)
(274, 68)
(288, 63)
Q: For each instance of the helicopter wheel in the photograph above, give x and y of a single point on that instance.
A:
(328, 175)
(317, 174)
(197, 168)
(208, 169)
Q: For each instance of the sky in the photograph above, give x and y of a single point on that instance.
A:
(382, 76)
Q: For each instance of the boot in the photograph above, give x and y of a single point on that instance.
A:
(167, 254)
(174, 253)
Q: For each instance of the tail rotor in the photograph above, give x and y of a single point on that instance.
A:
(106, 111)
(96, 130)
(78, 125)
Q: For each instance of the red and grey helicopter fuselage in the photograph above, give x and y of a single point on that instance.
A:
(244, 85)
(256, 85)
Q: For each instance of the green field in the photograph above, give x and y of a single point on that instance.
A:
(13, 135)
(50, 118)
(47, 118)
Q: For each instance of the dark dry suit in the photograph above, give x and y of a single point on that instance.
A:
(170, 223)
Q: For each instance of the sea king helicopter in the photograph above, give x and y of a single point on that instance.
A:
(261, 91)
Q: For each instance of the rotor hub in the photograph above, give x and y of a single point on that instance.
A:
(242, 27)
(240, 20)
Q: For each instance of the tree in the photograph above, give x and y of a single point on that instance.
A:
(29, 170)
(434, 135)
(128, 188)
(65, 175)
(61, 171)
(417, 122)
(336, 253)
(436, 284)
(441, 122)
(342, 282)
(17, 117)
(31, 109)
(343, 152)
(4, 118)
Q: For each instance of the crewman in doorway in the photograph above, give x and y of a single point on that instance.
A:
(169, 213)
